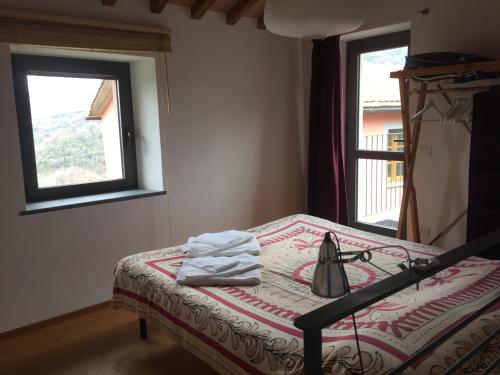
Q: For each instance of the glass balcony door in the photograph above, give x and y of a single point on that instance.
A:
(375, 132)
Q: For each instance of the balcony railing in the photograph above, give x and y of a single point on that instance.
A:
(380, 182)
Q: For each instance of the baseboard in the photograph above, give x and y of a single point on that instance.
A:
(57, 319)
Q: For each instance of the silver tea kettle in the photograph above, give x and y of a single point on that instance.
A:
(329, 279)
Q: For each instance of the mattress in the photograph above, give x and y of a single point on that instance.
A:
(249, 330)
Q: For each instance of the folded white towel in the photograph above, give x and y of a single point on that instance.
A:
(192, 270)
(228, 243)
(249, 278)
(227, 239)
(251, 247)
(195, 249)
(212, 265)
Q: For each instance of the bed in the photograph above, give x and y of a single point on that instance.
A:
(250, 330)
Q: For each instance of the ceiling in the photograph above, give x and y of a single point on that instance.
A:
(233, 9)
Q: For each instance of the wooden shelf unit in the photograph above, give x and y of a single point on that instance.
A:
(412, 132)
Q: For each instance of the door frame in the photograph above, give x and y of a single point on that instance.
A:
(354, 49)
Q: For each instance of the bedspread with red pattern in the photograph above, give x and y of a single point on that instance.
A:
(240, 330)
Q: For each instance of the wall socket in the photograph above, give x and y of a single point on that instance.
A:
(425, 150)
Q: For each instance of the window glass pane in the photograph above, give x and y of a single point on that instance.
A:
(76, 130)
(379, 192)
(380, 124)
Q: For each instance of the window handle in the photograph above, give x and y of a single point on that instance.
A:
(129, 134)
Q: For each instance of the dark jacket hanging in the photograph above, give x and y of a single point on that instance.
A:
(484, 173)
(327, 193)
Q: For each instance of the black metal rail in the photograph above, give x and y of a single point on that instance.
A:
(457, 365)
(492, 366)
(143, 328)
(426, 349)
(313, 322)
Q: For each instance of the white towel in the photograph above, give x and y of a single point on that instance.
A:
(227, 239)
(194, 272)
(251, 247)
(228, 243)
(212, 265)
(249, 278)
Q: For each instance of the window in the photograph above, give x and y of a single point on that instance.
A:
(395, 168)
(75, 125)
(375, 148)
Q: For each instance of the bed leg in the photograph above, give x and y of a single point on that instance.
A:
(143, 328)
(312, 352)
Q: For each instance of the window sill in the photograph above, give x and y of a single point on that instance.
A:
(88, 200)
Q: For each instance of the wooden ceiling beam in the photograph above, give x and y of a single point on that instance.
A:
(157, 6)
(239, 10)
(200, 7)
(109, 3)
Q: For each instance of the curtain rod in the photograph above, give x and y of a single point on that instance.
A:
(27, 15)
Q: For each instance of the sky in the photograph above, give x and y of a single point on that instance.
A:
(376, 85)
(392, 56)
(53, 95)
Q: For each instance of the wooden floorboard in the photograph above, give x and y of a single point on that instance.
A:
(101, 343)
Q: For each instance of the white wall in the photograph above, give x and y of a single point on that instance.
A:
(452, 25)
(233, 160)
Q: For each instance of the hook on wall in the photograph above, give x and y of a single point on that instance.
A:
(424, 12)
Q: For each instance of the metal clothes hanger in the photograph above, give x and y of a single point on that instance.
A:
(430, 104)
(454, 111)
(460, 110)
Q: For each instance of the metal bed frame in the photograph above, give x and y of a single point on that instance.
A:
(313, 322)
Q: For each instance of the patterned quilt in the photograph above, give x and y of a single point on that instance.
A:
(249, 330)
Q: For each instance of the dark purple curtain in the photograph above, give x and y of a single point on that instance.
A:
(327, 193)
